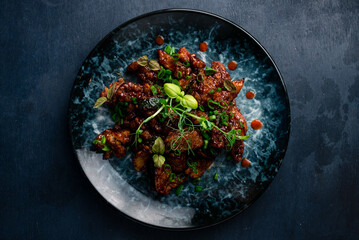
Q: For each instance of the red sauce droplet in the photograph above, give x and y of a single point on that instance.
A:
(160, 40)
(250, 94)
(232, 65)
(256, 124)
(245, 163)
(203, 46)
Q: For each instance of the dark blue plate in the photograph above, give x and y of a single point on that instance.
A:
(237, 187)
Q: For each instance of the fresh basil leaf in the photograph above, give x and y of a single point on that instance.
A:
(168, 49)
(95, 141)
(154, 90)
(103, 140)
(163, 101)
(209, 71)
(159, 146)
(158, 160)
(243, 137)
(228, 84)
(154, 65)
(174, 81)
(106, 148)
(100, 101)
(142, 61)
(111, 91)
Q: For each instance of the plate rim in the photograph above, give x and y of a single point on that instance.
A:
(169, 10)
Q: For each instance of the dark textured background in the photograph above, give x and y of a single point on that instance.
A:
(45, 195)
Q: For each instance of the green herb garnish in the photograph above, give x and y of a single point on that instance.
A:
(200, 77)
(154, 65)
(199, 188)
(170, 50)
(142, 61)
(186, 63)
(179, 189)
(176, 56)
(154, 90)
(179, 74)
(196, 181)
(228, 84)
(209, 71)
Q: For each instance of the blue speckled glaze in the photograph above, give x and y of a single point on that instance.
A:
(237, 187)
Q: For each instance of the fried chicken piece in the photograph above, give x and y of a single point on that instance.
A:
(129, 90)
(141, 157)
(177, 163)
(184, 54)
(221, 71)
(237, 150)
(202, 165)
(235, 121)
(189, 140)
(146, 75)
(166, 60)
(133, 67)
(115, 141)
(182, 72)
(199, 113)
(106, 89)
(184, 83)
(196, 62)
(162, 181)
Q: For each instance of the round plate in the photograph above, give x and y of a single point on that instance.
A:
(236, 187)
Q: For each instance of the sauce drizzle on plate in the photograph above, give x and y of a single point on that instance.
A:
(250, 95)
(256, 124)
(232, 65)
(203, 46)
(159, 40)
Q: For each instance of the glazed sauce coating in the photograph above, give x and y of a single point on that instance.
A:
(232, 65)
(250, 95)
(256, 124)
(159, 40)
(245, 163)
(133, 103)
(203, 46)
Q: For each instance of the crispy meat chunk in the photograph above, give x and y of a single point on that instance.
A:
(196, 62)
(133, 67)
(184, 54)
(184, 83)
(146, 75)
(199, 113)
(189, 140)
(202, 164)
(166, 60)
(117, 86)
(221, 71)
(226, 95)
(237, 150)
(115, 140)
(177, 163)
(129, 90)
(182, 72)
(163, 184)
(141, 157)
(236, 121)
